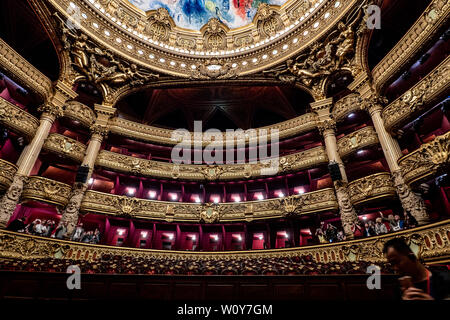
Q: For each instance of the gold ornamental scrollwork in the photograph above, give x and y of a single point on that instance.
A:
(46, 190)
(93, 201)
(159, 24)
(423, 240)
(431, 157)
(372, 187)
(323, 58)
(214, 35)
(361, 138)
(7, 172)
(268, 20)
(17, 119)
(65, 146)
(210, 213)
(150, 168)
(77, 111)
(213, 68)
(100, 66)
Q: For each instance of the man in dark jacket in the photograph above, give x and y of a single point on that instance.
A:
(419, 282)
(17, 225)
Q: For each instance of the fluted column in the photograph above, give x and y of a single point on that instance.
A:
(99, 131)
(51, 110)
(412, 203)
(327, 127)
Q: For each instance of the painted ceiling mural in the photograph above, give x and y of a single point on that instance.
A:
(193, 14)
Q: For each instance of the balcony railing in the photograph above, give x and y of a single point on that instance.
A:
(17, 119)
(7, 172)
(429, 242)
(65, 147)
(346, 105)
(137, 166)
(354, 141)
(289, 128)
(375, 186)
(46, 190)
(425, 162)
(317, 201)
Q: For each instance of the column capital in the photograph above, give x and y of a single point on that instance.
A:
(327, 127)
(373, 103)
(98, 131)
(50, 111)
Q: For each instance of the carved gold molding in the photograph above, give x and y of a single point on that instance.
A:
(135, 130)
(424, 162)
(418, 98)
(79, 112)
(17, 119)
(7, 172)
(430, 243)
(293, 162)
(430, 22)
(317, 201)
(345, 106)
(371, 187)
(150, 40)
(356, 140)
(65, 147)
(46, 190)
(23, 72)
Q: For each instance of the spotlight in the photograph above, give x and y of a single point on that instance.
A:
(131, 191)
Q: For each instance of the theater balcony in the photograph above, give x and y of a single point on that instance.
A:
(293, 140)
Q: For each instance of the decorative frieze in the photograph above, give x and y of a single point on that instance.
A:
(361, 138)
(7, 172)
(17, 119)
(46, 190)
(318, 201)
(143, 167)
(77, 111)
(135, 130)
(415, 100)
(375, 186)
(424, 162)
(345, 106)
(65, 147)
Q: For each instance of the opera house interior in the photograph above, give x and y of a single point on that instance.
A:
(217, 150)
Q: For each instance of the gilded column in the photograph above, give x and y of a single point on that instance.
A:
(327, 127)
(412, 203)
(99, 131)
(51, 110)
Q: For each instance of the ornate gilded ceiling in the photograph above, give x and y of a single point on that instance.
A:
(153, 40)
(193, 14)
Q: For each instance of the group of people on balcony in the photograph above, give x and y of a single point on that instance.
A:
(383, 225)
(49, 228)
(330, 233)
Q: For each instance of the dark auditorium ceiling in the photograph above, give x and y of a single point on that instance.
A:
(221, 107)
